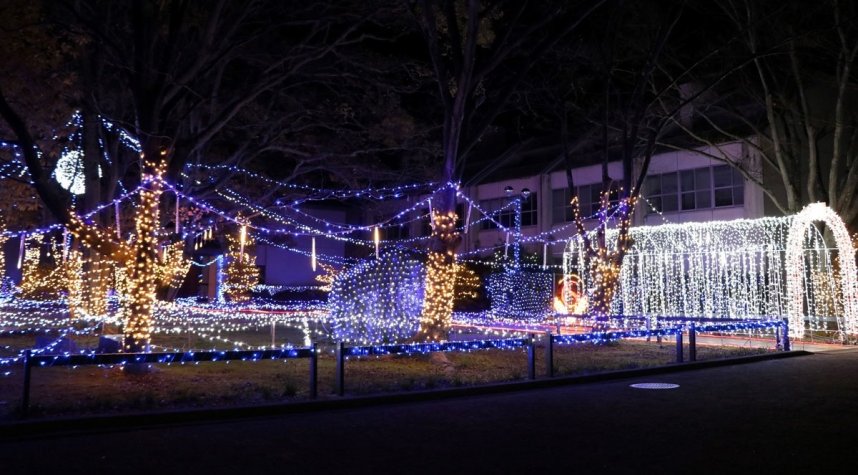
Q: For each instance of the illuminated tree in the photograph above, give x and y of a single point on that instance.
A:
(632, 100)
(378, 300)
(241, 271)
(468, 283)
(138, 257)
(479, 54)
(440, 278)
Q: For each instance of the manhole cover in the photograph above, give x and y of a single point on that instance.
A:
(654, 386)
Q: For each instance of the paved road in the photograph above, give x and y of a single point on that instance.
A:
(793, 415)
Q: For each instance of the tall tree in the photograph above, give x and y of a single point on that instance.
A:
(793, 106)
(479, 53)
(635, 102)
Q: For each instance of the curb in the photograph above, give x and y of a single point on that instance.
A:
(109, 423)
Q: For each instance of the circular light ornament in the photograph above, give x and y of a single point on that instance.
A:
(654, 386)
(69, 171)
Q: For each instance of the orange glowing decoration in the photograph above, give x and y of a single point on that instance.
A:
(242, 238)
(569, 297)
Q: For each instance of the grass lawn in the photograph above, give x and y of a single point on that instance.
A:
(96, 390)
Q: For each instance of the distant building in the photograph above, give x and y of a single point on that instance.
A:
(681, 186)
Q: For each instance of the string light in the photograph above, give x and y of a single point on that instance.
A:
(760, 268)
(436, 318)
(241, 271)
(378, 300)
(313, 254)
(327, 277)
(3, 239)
(514, 292)
(139, 257)
(795, 267)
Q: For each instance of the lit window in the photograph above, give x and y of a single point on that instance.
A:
(502, 211)
(700, 188)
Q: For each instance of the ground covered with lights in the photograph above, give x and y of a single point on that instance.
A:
(95, 324)
(187, 325)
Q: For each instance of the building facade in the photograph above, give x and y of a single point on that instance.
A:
(681, 186)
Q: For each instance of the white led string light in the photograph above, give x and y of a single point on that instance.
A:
(761, 268)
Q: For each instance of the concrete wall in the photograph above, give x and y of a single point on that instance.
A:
(288, 267)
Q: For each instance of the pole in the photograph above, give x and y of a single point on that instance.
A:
(679, 346)
(787, 346)
(341, 369)
(648, 329)
(692, 343)
(658, 336)
(314, 371)
(176, 228)
(531, 356)
(549, 354)
(778, 345)
(25, 400)
(516, 244)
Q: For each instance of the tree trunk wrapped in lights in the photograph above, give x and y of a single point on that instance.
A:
(440, 279)
(241, 271)
(604, 262)
(139, 257)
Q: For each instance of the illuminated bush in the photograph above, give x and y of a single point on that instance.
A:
(520, 294)
(378, 300)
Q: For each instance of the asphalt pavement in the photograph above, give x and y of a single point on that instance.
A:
(791, 415)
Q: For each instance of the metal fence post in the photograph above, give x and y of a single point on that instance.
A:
(658, 336)
(786, 335)
(25, 400)
(692, 343)
(314, 371)
(549, 355)
(777, 332)
(341, 369)
(531, 356)
(648, 329)
(679, 345)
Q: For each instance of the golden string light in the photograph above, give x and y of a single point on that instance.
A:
(241, 271)
(327, 278)
(138, 256)
(441, 270)
(172, 265)
(243, 238)
(604, 259)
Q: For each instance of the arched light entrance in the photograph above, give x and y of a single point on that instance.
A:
(773, 267)
(795, 269)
